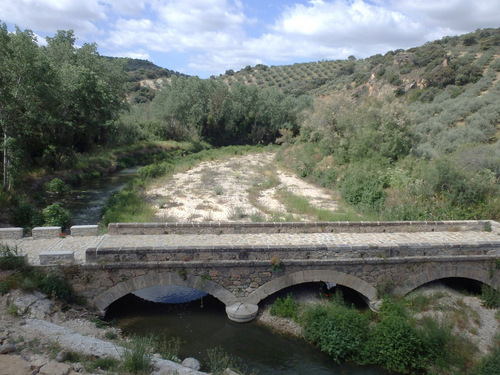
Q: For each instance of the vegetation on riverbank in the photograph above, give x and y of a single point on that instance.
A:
(422, 333)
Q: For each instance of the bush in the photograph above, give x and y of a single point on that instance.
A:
(285, 307)
(56, 186)
(490, 297)
(57, 286)
(55, 215)
(10, 259)
(490, 364)
(338, 330)
(396, 345)
(363, 184)
(26, 216)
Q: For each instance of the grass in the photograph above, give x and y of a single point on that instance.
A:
(137, 360)
(296, 204)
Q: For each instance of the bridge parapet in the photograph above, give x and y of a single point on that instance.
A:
(208, 254)
(295, 227)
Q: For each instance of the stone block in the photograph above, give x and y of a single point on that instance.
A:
(45, 232)
(11, 233)
(84, 230)
(57, 257)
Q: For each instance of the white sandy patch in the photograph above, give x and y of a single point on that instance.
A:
(219, 191)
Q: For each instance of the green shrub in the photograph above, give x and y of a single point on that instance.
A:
(55, 215)
(338, 330)
(56, 186)
(25, 215)
(396, 345)
(490, 297)
(490, 364)
(57, 286)
(363, 185)
(10, 259)
(285, 307)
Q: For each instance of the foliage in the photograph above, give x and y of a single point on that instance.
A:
(396, 345)
(137, 359)
(489, 364)
(490, 297)
(285, 307)
(168, 348)
(55, 215)
(338, 330)
(219, 360)
(363, 184)
(207, 109)
(55, 100)
(10, 259)
(56, 185)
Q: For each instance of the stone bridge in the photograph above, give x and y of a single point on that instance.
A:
(243, 263)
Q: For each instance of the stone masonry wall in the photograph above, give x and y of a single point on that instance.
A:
(295, 227)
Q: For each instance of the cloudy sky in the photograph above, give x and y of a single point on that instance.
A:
(207, 37)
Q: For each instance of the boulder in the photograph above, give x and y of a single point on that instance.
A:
(192, 363)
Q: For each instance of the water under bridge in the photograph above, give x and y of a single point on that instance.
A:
(243, 263)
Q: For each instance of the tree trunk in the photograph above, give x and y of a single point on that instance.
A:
(5, 161)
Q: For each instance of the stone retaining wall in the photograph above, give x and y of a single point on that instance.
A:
(296, 227)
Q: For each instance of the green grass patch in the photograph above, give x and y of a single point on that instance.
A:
(298, 205)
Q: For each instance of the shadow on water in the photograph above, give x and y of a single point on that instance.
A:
(202, 324)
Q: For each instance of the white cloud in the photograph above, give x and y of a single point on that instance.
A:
(53, 15)
(215, 35)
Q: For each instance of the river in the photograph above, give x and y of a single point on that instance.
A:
(85, 202)
(202, 324)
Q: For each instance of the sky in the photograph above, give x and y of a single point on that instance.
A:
(208, 37)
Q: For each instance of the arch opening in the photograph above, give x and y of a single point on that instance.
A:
(319, 291)
(103, 301)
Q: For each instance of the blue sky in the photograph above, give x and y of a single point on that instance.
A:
(207, 37)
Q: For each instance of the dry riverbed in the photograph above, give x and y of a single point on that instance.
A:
(242, 188)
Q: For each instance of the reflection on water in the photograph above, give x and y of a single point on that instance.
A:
(169, 294)
(203, 324)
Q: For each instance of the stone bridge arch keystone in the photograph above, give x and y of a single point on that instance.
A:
(367, 291)
(102, 302)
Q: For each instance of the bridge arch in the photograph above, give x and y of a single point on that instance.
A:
(449, 271)
(111, 295)
(367, 291)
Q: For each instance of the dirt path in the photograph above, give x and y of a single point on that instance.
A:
(243, 188)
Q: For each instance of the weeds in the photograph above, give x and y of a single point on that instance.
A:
(285, 307)
(137, 360)
(219, 360)
(490, 297)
